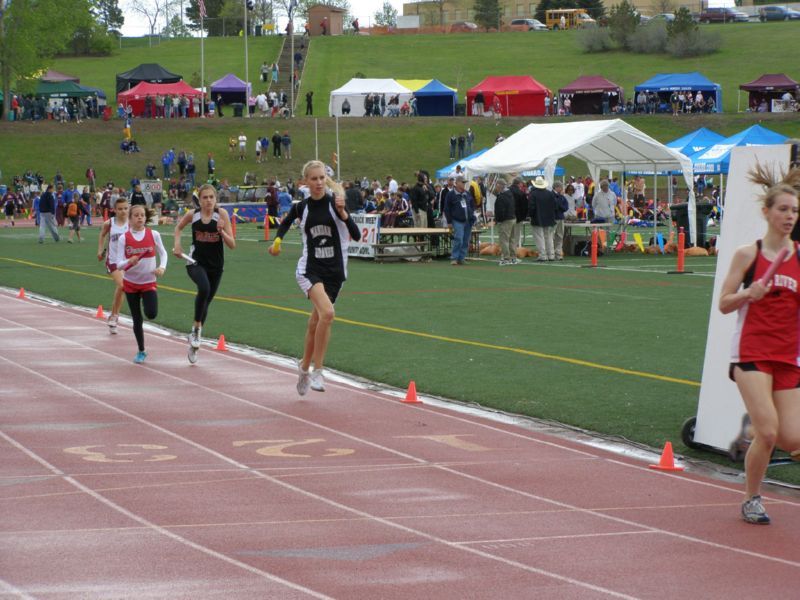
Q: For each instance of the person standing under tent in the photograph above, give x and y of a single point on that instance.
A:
(211, 228)
(764, 361)
(459, 210)
(542, 209)
(326, 228)
(115, 228)
(137, 250)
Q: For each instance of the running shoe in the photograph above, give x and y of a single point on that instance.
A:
(317, 380)
(139, 358)
(303, 381)
(503, 263)
(192, 355)
(112, 324)
(194, 338)
(754, 512)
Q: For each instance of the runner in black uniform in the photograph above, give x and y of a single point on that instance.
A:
(326, 228)
(211, 227)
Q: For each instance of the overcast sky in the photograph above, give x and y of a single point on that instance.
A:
(136, 25)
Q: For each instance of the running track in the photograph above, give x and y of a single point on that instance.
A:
(218, 481)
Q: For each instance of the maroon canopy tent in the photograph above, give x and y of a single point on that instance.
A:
(772, 88)
(52, 76)
(587, 94)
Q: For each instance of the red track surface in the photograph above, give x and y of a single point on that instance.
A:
(218, 481)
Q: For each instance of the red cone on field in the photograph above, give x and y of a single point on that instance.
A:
(667, 462)
(21, 293)
(411, 394)
(99, 314)
(221, 344)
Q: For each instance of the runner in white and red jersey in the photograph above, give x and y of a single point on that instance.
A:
(137, 249)
(766, 345)
(115, 228)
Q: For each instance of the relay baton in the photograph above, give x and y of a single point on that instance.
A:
(781, 256)
(188, 259)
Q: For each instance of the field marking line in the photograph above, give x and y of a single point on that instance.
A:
(389, 329)
(278, 482)
(148, 524)
(344, 507)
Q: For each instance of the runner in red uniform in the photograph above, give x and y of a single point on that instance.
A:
(766, 345)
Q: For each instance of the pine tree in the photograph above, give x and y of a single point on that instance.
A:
(487, 13)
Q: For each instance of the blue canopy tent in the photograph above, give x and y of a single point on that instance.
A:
(716, 158)
(445, 172)
(666, 83)
(689, 144)
(436, 100)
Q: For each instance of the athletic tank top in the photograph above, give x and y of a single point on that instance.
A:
(143, 271)
(207, 242)
(768, 329)
(114, 233)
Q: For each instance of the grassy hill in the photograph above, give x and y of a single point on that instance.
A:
(222, 56)
(392, 146)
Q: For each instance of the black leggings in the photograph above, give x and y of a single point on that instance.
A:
(135, 302)
(207, 283)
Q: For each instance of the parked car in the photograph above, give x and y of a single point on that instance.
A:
(463, 27)
(527, 25)
(777, 13)
(723, 15)
(666, 17)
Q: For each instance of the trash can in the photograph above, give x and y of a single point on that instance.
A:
(461, 110)
(238, 109)
(680, 217)
(106, 113)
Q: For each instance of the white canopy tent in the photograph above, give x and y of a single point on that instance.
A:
(356, 90)
(611, 145)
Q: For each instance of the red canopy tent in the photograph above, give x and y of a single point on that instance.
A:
(519, 95)
(587, 93)
(770, 87)
(136, 95)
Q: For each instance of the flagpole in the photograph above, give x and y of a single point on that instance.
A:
(316, 141)
(202, 63)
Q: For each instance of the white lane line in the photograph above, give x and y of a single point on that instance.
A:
(288, 486)
(152, 526)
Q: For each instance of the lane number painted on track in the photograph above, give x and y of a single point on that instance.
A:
(277, 448)
(121, 453)
(453, 440)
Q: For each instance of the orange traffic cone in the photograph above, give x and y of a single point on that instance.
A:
(21, 293)
(99, 314)
(667, 462)
(411, 394)
(221, 344)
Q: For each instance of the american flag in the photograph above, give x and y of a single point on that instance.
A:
(202, 6)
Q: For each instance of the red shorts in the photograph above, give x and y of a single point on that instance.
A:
(110, 267)
(785, 376)
(132, 288)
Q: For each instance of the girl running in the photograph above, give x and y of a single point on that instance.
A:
(764, 362)
(115, 228)
(326, 229)
(211, 227)
(137, 252)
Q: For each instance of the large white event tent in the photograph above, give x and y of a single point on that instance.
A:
(610, 145)
(356, 90)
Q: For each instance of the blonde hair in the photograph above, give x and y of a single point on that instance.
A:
(207, 186)
(335, 186)
(774, 183)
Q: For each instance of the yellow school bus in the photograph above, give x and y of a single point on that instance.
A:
(568, 18)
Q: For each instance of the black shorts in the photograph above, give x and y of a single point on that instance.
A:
(332, 286)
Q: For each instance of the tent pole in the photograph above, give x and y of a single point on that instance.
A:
(655, 200)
